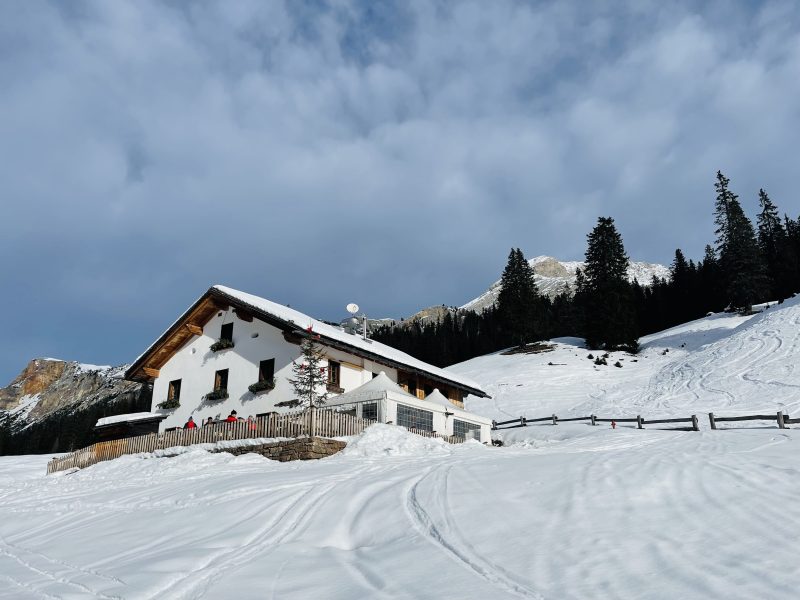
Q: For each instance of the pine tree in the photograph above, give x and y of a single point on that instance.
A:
(609, 310)
(517, 302)
(772, 242)
(309, 377)
(739, 255)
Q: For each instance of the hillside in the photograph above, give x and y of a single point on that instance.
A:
(554, 277)
(571, 511)
(50, 405)
(723, 361)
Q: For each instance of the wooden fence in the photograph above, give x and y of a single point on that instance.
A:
(315, 422)
(594, 420)
(779, 417)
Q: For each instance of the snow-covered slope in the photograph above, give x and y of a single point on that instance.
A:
(718, 363)
(554, 277)
(571, 511)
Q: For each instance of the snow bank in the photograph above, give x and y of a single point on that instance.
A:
(392, 440)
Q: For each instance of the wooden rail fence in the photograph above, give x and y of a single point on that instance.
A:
(314, 422)
(594, 420)
(692, 422)
(779, 417)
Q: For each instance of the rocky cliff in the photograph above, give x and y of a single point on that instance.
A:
(52, 405)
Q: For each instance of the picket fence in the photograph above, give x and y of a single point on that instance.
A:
(309, 422)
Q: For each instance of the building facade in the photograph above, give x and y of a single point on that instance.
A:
(235, 351)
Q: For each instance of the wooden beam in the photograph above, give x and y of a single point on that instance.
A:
(151, 372)
(194, 329)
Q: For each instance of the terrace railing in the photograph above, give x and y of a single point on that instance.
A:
(309, 422)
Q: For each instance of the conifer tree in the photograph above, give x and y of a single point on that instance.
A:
(739, 255)
(609, 311)
(517, 302)
(309, 377)
(772, 242)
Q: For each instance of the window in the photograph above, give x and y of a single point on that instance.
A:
(414, 418)
(174, 391)
(226, 332)
(369, 411)
(466, 430)
(221, 380)
(266, 370)
(334, 371)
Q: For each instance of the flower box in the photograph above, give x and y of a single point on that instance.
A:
(169, 404)
(222, 344)
(261, 386)
(220, 394)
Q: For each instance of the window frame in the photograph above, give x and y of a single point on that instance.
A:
(219, 376)
(261, 370)
(174, 390)
(226, 332)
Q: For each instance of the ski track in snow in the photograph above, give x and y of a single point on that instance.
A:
(444, 533)
(564, 512)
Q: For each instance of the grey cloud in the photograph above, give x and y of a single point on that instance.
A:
(390, 154)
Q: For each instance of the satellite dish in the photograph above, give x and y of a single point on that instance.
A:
(352, 308)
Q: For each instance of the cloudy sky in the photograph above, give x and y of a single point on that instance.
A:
(387, 153)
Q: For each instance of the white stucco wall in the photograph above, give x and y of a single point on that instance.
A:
(196, 366)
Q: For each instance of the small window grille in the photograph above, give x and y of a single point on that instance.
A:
(414, 418)
(466, 430)
(369, 411)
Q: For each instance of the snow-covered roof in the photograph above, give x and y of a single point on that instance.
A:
(124, 418)
(303, 321)
(439, 398)
(375, 389)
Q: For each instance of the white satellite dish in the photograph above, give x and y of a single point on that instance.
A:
(352, 308)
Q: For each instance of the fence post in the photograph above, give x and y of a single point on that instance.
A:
(639, 423)
(494, 424)
(522, 422)
(711, 421)
(781, 424)
(593, 417)
(695, 425)
(555, 420)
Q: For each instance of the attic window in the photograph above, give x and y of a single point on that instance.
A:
(226, 332)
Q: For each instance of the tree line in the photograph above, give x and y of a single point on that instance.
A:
(746, 265)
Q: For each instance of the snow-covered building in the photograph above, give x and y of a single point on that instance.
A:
(234, 351)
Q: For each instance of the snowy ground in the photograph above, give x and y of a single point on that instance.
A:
(561, 512)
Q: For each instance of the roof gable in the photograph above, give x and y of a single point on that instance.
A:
(289, 320)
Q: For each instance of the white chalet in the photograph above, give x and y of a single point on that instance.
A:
(255, 341)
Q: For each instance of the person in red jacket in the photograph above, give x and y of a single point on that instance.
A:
(190, 424)
(231, 417)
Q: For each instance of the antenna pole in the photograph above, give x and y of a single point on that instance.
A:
(365, 324)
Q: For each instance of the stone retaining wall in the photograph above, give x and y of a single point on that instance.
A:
(298, 449)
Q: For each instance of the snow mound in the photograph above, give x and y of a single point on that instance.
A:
(392, 440)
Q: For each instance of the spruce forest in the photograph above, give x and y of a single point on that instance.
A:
(747, 264)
